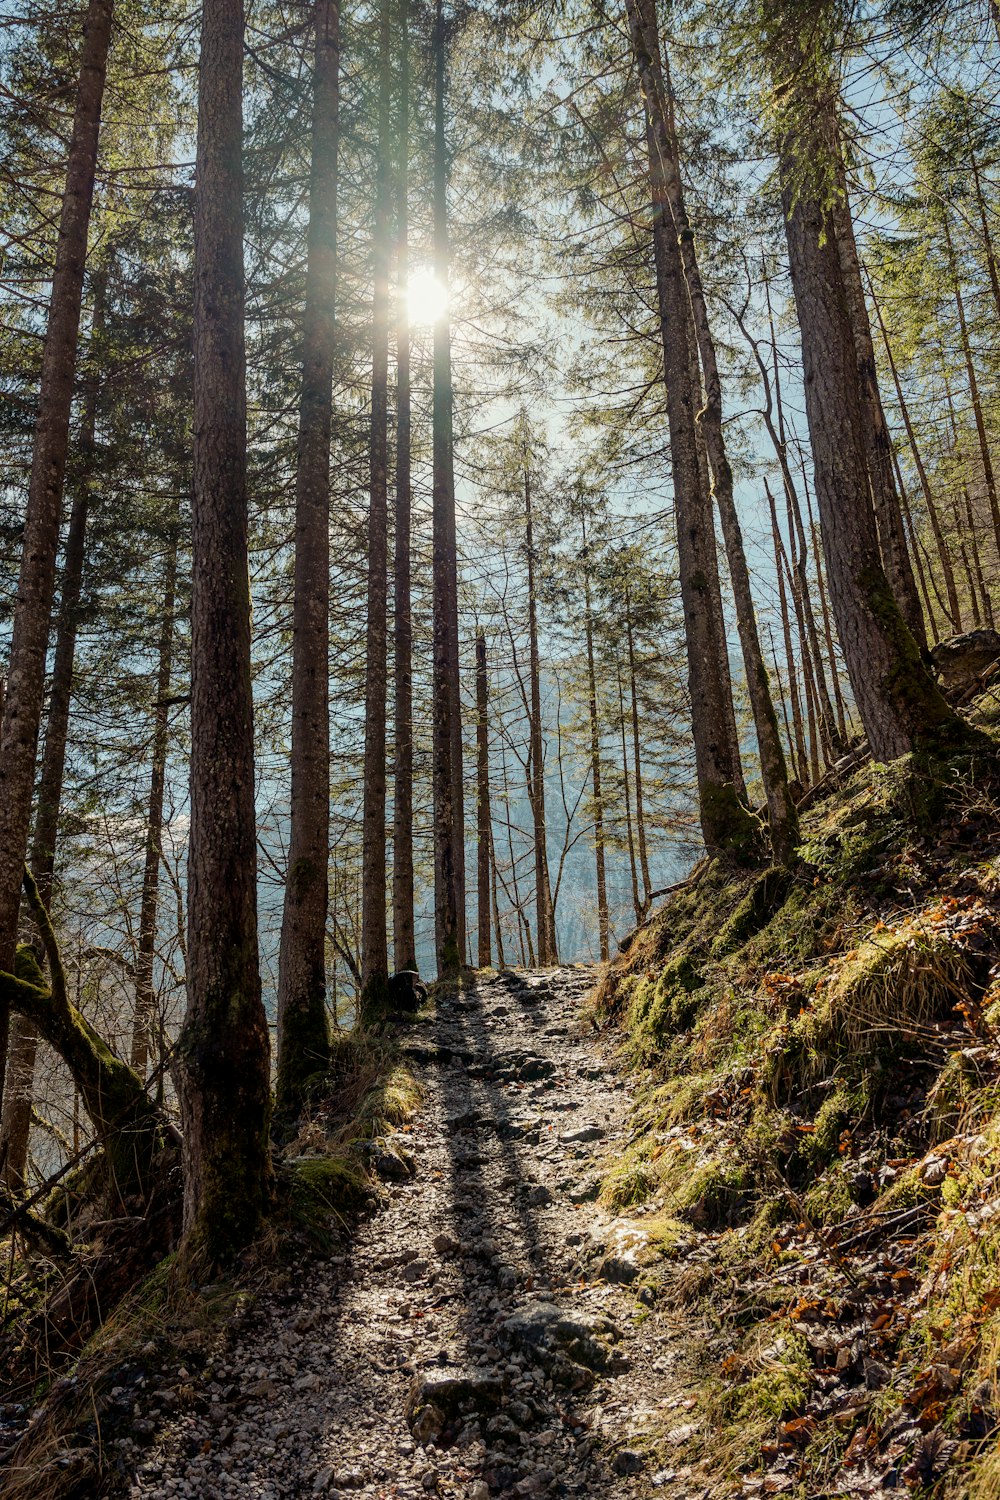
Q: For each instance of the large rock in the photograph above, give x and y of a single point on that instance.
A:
(961, 660)
(443, 1399)
(570, 1345)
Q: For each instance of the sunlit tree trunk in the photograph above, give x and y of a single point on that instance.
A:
(403, 938)
(795, 701)
(944, 556)
(224, 1063)
(640, 814)
(888, 512)
(544, 922)
(449, 820)
(900, 705)
(40, 542)
(303, 1038)
(626, 785)
(145, 993)
(603, 923)
(985, 454)
(374, 947)
(483, 829)
(17, 1095)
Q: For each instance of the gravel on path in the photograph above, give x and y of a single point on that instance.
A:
(489, 1332)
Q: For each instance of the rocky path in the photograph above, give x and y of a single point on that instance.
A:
(479, 1338)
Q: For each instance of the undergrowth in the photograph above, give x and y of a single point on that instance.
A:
(817, 1130)
(175, 1319)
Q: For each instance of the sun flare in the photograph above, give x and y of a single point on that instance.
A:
(426, 297)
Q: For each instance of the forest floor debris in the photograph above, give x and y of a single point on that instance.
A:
(461, 1346)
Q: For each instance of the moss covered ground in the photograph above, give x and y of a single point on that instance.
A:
(816, 1151)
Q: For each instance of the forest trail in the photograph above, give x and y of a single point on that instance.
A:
(447, 1294)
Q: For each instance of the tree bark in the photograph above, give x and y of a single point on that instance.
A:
(18, 1092)
(483, 820)
(374, 942)
(782, 817)
(640, 812)
(603, 924)
(888, 512)
(544, 923)
(726, 823)
(303, 1038)
(944, 556)
(224, 1073)
(626, 785)
(403, 938)
(145, 992)
(448, 795)
(786, 630)
(900, 705)
(974, 395)
(36, 583)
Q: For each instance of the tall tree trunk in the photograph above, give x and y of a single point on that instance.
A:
(374, 943)
(900, 705)
(630, 833)
(888, 513)
(225, 1072)
(544, 924)
(991, 260)
(977, 561)
(40, 544)
(603, 924)
(640, 812)
(483, 821)
(782, 817)
(145, 993)
(449, 821)
(933, 517)
(726, 823)
(303, 1038)
(801, 758)
(403, 937)
(831, 654)
(970, 370)
(17, 1095)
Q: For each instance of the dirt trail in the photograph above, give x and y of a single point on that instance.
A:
(471, 1342)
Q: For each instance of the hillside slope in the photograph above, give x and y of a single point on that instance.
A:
(815, 1160)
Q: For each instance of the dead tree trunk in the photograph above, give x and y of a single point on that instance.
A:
(36, 584)
(224, 1075)
(303, 1039)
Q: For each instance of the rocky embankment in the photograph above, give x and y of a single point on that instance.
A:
(489, 1331)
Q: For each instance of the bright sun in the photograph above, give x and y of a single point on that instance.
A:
(426, 298)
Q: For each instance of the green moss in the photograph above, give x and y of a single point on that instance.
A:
(828, 1200)
(728, 825)
(766, 894)
(321, 1194)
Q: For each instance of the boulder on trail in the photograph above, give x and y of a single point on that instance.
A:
(961, 660)
(439, 1401)
(569, 1345)
(406, 992)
